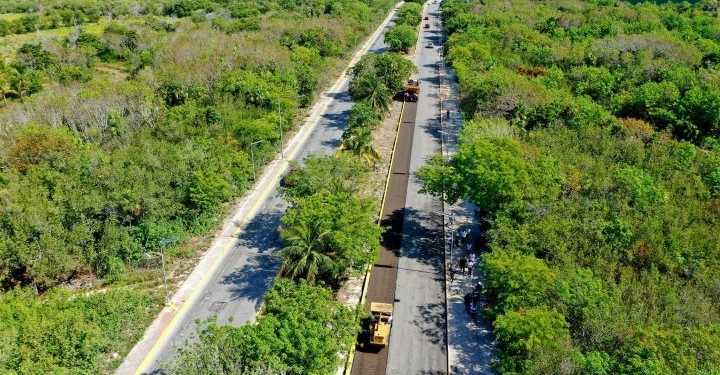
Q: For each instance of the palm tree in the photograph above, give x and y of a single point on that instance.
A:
(371, 89)
(363, 114)
(304, 255)
(358, 140)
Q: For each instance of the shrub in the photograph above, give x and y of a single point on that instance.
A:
(401, 38)
(301, 331)
(517, 281)
(64, 332)
(528, 334)
(409, 14)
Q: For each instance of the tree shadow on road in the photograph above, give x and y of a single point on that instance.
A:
(260, 235)
(432, 323)
(422, 238)
(254, 279)
(337, 120)
(432, 372)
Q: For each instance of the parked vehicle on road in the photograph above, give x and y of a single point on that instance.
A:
(412, 89)
(381, 323)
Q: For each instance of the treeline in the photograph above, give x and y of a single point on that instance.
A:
(133, 43)
(403, 35)
(72, 59)
(85, 6)
(601, 226)
(184, 109)
(226, 15)
(46, 15)
(71, 332)
(330, 229)
(97, 178)
(50, 20)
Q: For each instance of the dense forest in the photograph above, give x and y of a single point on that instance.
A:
(590, 147)
(122, 139)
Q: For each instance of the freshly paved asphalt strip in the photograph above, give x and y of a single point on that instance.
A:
(418, 338)
(369, 361)
(231, 281)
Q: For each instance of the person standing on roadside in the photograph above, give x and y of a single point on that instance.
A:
(463, 265)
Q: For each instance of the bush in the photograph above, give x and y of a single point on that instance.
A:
(64, 332)
(208, 189)
(409, 14)
(363, 115)
(325, 174)
(389, 70)
(527, 334)
(350, 235)
(301, 331)
(401, 38)
(517, 281)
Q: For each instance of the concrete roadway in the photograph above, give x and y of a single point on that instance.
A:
(235, 292)
(418, 338)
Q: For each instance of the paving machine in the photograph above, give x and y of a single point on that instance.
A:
(412, 89)
(381, 323)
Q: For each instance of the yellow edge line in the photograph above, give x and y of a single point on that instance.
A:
(194, 291)
(351, 353)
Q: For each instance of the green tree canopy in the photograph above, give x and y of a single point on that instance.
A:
(300, 331)
(401, 38)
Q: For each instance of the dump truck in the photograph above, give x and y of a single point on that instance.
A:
(380, 323)
(412, 89)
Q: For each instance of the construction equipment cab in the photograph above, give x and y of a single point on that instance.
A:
(412, 89)
(381, 323)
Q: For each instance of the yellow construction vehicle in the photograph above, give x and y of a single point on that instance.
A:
(381, 323)
(412, 89)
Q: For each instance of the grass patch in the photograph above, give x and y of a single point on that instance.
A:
(9, 44)
(12, 16)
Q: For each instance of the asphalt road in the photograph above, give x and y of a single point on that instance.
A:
(383, 277)
(418, 338)
(235, 292)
